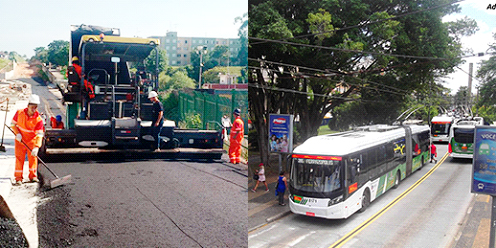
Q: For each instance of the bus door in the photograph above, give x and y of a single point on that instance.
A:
(408, 150)
(353, 170)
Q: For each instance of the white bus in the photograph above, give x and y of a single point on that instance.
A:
(333, 176)
(461, 138)
(440, 127)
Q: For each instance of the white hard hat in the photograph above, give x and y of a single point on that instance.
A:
(34, 99)
(152, 94)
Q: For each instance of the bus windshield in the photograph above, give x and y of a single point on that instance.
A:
(440, 128)
(314, 175)
(463, 135)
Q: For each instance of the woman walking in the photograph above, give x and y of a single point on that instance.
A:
(282, 185)
(261, 178)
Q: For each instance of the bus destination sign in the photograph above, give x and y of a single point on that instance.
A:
(484, 161)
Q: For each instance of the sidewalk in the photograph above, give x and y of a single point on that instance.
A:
(263, 207)
(21, 200)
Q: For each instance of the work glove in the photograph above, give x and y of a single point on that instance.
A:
(34, 152)
(18, 137)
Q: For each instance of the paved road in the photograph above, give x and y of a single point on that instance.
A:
(155, 203)
(117, 202)
(431, 215)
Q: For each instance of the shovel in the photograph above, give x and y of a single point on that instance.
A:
(59, 181)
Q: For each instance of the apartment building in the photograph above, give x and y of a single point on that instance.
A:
(179, 48)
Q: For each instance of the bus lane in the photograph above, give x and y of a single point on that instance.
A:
(429, 215)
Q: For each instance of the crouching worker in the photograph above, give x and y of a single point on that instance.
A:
(56, 122)
(28, 128)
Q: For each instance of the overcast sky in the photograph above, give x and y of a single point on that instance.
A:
(28, 24)
(479, 43)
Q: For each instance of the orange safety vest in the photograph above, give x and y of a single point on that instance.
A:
(87, 85)
(237, 130)
(59, 125)
(30, 127)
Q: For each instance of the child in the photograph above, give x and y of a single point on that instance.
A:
(433, 153)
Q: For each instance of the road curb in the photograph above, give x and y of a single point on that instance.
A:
(278, 216)
(271, 219)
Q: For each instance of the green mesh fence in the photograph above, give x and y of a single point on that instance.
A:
(212, 107)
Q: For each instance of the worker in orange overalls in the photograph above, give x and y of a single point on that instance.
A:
(28, 128)
(236, 136)
(87, 85)
(56, 122)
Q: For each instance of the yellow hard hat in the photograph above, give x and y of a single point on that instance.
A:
(75, 58)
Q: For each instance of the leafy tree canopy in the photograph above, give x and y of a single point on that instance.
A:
(376, 52)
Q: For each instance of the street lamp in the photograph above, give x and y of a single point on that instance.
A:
(201, 50)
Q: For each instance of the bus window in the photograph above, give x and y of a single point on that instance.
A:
(314, 175)
(464, 135)
(389, 151)
(399, 151)
(353, 165)
(440, 128)
(415, 146)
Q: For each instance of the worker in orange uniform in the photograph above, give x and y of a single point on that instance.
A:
(236, 136)
(56, 122)
(28, 128)
(79, 70)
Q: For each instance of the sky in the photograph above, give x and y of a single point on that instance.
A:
(479, 43)
(28, 24)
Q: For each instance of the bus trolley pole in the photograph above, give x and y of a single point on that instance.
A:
(493, 224)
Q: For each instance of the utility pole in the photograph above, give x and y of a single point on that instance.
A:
(201, 50)
(469, 93)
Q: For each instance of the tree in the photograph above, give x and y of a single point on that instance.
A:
(243, 39)
(461, 98)
(58, 52)
(487, 75)
(194, 71)
(15, 56)
(486, 102)
(220, 56)
(151, 61)
(300, 53)
(177, 81)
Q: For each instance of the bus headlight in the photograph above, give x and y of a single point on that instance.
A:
(335, 200)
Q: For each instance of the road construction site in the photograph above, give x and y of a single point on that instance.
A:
(118, 200)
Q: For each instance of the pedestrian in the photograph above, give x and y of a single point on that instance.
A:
(433, 153)
(226, 123)
(158, 119)
(261, 178)
(282, 185)
(236, 137)
(27, 125)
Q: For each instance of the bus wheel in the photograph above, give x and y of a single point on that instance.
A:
(365, 200)
(397, 180)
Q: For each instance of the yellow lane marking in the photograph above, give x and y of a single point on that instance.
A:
(482, 237)
(483, 198)
(369, 221)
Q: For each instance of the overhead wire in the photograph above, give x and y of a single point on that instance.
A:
(301, 75)
(337, 72)
(260, 86)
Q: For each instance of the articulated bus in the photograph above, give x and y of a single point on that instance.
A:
(333, 176)
(440, 127)
(461, 137)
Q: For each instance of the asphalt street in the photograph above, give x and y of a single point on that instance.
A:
(146, 204)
